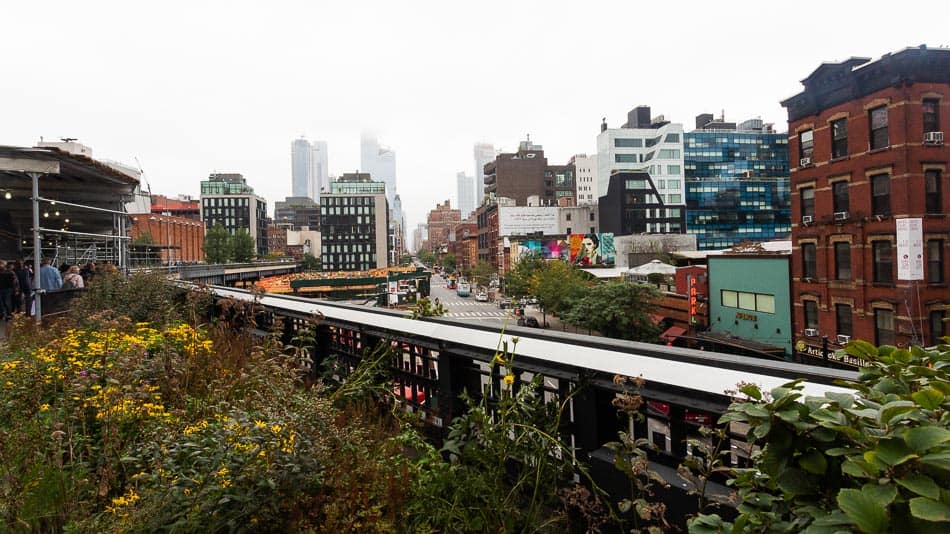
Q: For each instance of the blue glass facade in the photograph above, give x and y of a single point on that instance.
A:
(737, 187)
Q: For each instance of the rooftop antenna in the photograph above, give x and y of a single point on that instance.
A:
(68, 139)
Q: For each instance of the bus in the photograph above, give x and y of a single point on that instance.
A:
(465, 289)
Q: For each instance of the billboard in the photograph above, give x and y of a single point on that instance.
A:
(524, 220)
(582, 250)
(910, 249)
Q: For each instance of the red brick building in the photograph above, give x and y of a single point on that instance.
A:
(866, 148)
(441, 220)
(526, 173)
(178, 239)
(464, 244)
(179, 207)
(487, 221)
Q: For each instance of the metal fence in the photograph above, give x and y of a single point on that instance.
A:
(434, 360)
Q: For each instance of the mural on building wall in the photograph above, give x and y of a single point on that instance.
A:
(583, 250)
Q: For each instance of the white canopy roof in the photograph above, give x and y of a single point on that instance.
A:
(655, 266)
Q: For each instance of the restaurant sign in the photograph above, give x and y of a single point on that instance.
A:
(810, 353)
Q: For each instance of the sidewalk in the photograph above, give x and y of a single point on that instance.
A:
(555, 323)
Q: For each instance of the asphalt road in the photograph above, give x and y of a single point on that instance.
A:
(467, 308)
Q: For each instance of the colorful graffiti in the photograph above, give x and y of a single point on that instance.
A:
(584, 250)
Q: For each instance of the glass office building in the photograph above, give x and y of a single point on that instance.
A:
(737, 183)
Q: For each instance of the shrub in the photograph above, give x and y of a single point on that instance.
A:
(875, 459)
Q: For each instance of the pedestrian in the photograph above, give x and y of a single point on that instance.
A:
(88, 272)
(50, 279)
(9, 287)
(73, 280)
(24, 276)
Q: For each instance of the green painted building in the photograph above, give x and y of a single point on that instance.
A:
(750, 303)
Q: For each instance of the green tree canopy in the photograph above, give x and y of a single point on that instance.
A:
(557, 285)
(217, 246)
(144, 239)
(482, 272)
(311, 263)
(243, 246)
(449, 262)
(426, 257)
(518, 279)
(619, 310)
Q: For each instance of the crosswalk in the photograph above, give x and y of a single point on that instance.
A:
(454, 303)
(474, 314)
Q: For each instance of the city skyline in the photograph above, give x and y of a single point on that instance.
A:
(215, 100)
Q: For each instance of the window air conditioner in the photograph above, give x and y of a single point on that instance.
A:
(933, 138)
(841, 216)
(807, 219)
(804, 162)
(843, 339)
(811, 332)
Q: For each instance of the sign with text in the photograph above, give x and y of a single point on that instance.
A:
(910, 249)
(524, 220)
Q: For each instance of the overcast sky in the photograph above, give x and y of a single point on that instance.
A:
(194, 87)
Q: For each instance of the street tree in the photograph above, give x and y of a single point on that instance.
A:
(243, 247)
(426, 257)
(311, 263)
(217, 246)
(482, 272)
(449, 262)
(557, 285)
(518, 279)
(619, 310)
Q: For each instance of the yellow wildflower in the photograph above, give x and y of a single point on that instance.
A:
(509, 379)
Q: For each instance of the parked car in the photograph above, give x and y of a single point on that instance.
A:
(481, 297)
(530, 322)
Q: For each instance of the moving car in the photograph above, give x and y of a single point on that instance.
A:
(481, 297)
(504, 303)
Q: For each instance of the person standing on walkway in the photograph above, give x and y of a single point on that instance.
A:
(50, 279)
(25, 277)
(72, 279)
(8, 289)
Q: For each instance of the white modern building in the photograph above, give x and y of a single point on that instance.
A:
(466, 194)
(301, 168)
(651, 145)
(484, 153)
(585, 174)
(380, 162)
(309, 168)
(319, 168)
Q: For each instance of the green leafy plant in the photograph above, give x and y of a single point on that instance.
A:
(872, 459)
(427, 308)
(630, 457)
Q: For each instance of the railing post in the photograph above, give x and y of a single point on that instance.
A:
(678, 434)
(585, 423)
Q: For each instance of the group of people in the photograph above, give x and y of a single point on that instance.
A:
(16, 283)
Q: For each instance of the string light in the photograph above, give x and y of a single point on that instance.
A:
(7, 195)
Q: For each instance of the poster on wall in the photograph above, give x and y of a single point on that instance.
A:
(910, 249)
(582, 250)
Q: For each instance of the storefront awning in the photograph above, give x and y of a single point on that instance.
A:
(672, 333)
